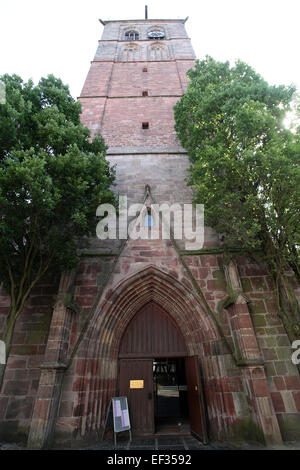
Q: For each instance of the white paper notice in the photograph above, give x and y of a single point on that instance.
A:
(2, 352)
(118, 408)
(125, 418)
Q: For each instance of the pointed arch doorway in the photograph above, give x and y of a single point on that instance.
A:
(161, 381)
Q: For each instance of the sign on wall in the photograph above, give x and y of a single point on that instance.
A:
(136, 384)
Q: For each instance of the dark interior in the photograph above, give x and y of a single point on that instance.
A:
(170, 395)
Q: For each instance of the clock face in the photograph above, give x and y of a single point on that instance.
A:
(156, 35)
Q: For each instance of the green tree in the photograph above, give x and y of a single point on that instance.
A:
(52, 178)
(245, 167)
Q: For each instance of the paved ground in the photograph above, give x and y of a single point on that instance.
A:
(159, 443)
(168, 443)
(185, 443)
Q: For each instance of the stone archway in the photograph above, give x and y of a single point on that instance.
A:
(236, 395)
(116, 309)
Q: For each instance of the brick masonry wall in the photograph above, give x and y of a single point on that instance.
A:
(27, 352)
(128, 78)
(275, 347)
(283, 376)
(120, 119)
(98, 79)
(224, 385)
(134, 258)
(123, 118)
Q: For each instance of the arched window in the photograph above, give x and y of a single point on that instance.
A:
(129, 52)
(148, 218)
(157, 52)
(132, 35)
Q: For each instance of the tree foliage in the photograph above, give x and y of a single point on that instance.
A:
(52, 178)
(245, 164)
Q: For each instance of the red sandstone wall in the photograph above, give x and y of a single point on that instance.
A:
(120, 119)
(23, 368)
(224, 383)
(23, 371)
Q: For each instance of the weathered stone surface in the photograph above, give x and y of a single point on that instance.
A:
(20, 408)
(113, 282)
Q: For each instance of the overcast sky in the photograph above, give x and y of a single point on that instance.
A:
(39, 37)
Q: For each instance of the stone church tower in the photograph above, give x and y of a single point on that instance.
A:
(139, 318)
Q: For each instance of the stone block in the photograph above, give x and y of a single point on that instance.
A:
(260, 387)
(257, 306)
(284, 353)
(281, 368)
(289, 424)
(269, 354)
(259, 320)
(246, 284)
(20, 408)
(16, 387)
(3, 406)
(277, 402)
(283, 341)
(216, 284)
(279, 383)
(292, 383)
(270, 342)
(36, 337)
(296, 396)
(270, 369)
(289, 402)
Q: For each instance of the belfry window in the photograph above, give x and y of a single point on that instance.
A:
(132, 35)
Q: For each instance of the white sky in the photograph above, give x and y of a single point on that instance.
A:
(38, 37)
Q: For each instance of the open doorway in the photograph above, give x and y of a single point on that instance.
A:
(171, 414)
(161, 381)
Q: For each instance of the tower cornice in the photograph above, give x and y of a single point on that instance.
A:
(104, 22)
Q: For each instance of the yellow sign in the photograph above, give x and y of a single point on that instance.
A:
(136, 384)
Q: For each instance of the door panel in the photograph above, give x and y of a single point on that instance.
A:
(140, 400)
(152, 333)
(198, 423)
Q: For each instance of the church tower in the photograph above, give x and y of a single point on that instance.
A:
(139, 317)
(137, 75)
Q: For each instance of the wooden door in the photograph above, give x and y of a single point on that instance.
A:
(152, 333)
(198, 423)
(140, 400)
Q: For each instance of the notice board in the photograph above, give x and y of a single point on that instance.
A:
(120, 414)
